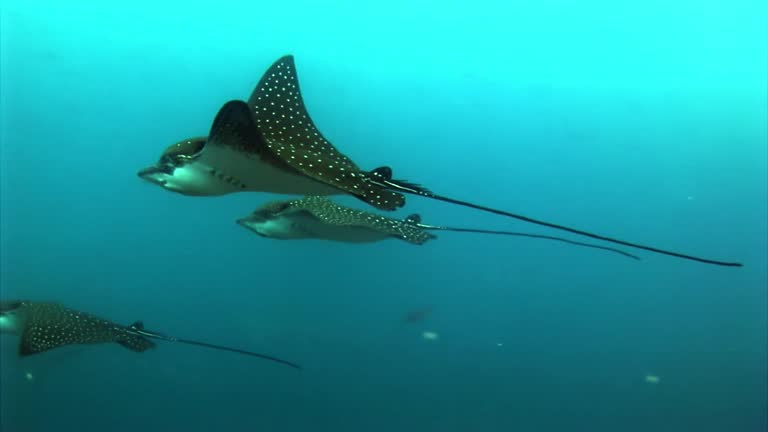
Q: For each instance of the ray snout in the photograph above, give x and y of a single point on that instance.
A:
(153, 174)
(253, 223)
(9, 323)
(250, 221)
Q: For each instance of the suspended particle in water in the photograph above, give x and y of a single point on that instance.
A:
(652, 379)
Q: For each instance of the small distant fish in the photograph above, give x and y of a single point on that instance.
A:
(46, 325)
(271, 144)
(417, 316)
(317, 217)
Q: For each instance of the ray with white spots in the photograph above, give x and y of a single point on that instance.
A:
(269, 144)
(316, 217)
(43, 326)
(319, 218)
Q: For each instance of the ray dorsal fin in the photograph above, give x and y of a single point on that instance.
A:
(413, 219)
(281, 117)
(383, 174)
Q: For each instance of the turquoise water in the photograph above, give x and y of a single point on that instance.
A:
(644, 121)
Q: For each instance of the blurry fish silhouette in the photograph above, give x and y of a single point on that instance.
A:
(417, 316)
(271, 144)
(44, 326)
(317, 217)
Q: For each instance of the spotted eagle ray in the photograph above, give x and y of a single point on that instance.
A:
(47, 325)
(317, 217)
(271, 144)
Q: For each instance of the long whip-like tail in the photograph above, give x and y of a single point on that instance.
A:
(520, 234)
(138, 329)
(383, 177)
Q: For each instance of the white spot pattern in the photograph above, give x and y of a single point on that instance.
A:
(282, 118)
(331, 213)
(51, 325)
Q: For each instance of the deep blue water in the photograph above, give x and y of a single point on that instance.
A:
(644, 121)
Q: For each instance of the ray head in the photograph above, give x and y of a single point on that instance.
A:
(11, 316)
(271, 221)
(175, 170)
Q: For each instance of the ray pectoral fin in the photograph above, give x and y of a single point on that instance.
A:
(418, 239)
(382, 200)
(285, 65)
(385, 180)
(280, 115)
(26, 347)
(233, 127)
(33, 341)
